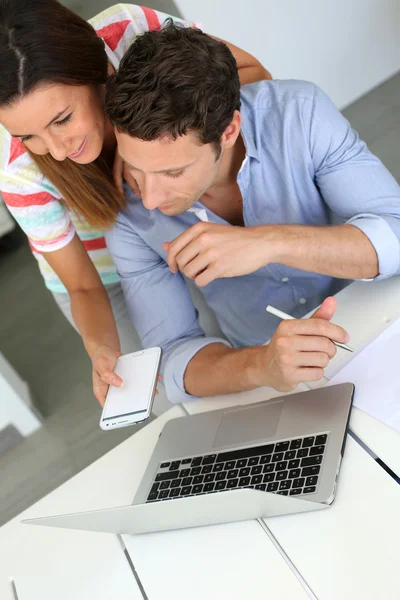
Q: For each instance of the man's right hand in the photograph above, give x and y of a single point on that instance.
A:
(300, 350)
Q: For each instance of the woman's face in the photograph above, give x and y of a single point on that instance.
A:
(67, 121)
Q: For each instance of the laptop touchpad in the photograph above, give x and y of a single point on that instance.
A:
(248, 424)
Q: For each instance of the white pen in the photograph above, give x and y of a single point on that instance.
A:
(13, 588)
(285, 316)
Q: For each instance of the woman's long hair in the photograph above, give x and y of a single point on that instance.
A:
(42, 41)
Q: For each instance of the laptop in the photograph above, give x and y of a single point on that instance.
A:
(277, 457)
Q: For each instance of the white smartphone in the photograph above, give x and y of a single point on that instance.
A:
(132, 402)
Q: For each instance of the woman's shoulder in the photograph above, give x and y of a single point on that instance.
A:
(119, 25)
(19, 174)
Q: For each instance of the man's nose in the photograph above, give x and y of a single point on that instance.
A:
(153, 195)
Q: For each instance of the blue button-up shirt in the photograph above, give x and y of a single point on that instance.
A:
(304, 165)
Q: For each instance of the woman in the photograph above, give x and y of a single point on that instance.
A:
(57, 157)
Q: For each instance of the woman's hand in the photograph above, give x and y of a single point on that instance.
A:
(121, 173)
(104, 360)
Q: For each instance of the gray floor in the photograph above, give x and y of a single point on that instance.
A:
(46, 351)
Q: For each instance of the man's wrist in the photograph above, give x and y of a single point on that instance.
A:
(270, 240)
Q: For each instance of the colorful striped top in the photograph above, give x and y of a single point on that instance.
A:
(32, 199)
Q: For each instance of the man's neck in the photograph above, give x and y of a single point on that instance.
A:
(231, 162)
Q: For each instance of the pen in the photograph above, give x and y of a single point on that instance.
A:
(13, 589)
(285, 316)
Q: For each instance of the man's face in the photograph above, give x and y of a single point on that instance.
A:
(171, 174)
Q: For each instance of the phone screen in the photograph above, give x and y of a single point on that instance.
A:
(139, 372)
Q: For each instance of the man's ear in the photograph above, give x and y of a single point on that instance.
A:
(231, 133)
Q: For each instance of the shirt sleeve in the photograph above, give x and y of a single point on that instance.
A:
(159, 305)
(44, 218)
(354, 183)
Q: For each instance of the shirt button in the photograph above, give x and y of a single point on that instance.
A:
(302, 300)
(285, 279)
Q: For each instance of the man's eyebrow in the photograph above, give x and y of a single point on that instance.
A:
(58, 115)
(170, 170)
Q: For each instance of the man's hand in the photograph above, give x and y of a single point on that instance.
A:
(208, 251)
(300, 350)
(103, 361)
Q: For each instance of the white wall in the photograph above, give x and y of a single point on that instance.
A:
(347, 47)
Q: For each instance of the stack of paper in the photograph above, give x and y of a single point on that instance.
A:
(375, 372)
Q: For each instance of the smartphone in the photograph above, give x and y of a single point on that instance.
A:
(132, 402)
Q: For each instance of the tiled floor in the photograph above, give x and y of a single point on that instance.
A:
(47, 352)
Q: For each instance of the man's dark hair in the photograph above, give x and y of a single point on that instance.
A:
(173, 81)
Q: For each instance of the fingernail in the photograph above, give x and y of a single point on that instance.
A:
(117, 383)
(347, 338)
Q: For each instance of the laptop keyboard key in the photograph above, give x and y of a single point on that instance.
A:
(294, 473)
(244, 472)
(167, 475)
(256, 470)
(281, 466)
(321, 439)
(209, 460)
(281, 446)
(316, 450)
(309, 490)
(186, 481)
(265, 459)
(293, 464)
(298, 483)
(176, 483)
(277, 457)
(196, 461)
(261, 486)
(245, 453)
(152, 496)
(272, 487)
(220, 485)
(268, 468)
(220, 476)
(154, 487)
(253, 461)
(198, 479)
(175, 465)
(186, 461)
(218, 467)
(209, 477)
(206, 469)
(244, 481)
(197, 489)
(295, 492)
(311, 460)
(283, 492)
(268, 477)
(163, 494)
(184, 473)
(164, 485)
(209, 487)
(312, 480)
(232, 483)
(308, 442)
(302, 452)
(185, 491)
(241, 463)
(256, 479)
(230, 465)
(164, 465)
(281, 475)
(232, 474)
(174, 493)
(308, 471)
(294, 444)
(195, 471)
(285, 485)
(290, 454)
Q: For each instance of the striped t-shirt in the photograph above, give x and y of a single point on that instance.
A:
(32, 199)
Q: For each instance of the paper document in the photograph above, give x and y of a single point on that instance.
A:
(375, 372)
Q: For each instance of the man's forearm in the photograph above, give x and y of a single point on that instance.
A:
(218, 369)
(342, 251)
(92, 313)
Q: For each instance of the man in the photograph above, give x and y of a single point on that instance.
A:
(263, 195)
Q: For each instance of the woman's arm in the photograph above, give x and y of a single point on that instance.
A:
(91, 311)
(250, 69)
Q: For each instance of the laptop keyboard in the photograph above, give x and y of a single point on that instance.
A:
(291, 467)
